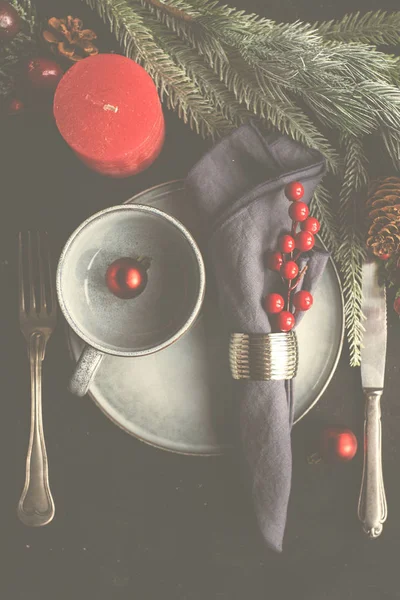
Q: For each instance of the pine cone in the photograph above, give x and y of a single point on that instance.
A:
(68, 38)
(384, 214)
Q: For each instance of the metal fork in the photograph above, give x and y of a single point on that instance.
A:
(37, 318)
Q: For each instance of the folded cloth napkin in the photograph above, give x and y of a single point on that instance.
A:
(238, 188)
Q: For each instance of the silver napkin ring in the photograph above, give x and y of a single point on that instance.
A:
(263, 357)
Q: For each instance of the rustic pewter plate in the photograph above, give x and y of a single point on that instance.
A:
(179, 399)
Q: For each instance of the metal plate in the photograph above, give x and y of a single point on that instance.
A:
(179, 399)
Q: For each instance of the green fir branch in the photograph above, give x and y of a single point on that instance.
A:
(379, 27)
(19, 48)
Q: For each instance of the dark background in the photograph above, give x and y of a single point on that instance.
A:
(136, 522)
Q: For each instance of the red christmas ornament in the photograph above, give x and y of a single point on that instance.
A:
(285, 321)
(274, 261)
(302, 300)
(15, 107)
(311, 224)
(384, 256)
(298, 211)
(286, 243)
(43, 73)
(396, 305)
(338, 444)
(289, 270)
(273, 303)
(294, 191)
(304, 241)
(10, 21)
(126, 278)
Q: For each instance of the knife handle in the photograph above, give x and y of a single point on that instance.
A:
(372, 508)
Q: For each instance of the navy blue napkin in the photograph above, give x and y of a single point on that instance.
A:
(238, 189)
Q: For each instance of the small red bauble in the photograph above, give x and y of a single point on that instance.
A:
(126, 278)
(304, 241)
(302, 300)
(285, 321)
(10, 21)
(274, 261)
(286, 243)
(294, 191)
(396, 305)
(311, 224)
(298, 211)
(273, 303)
(15, 107)
(338, 444)
(289, 270)
(43, 73)
(384, 256)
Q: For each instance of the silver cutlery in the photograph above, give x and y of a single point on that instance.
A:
(37, 318)
(372, 508)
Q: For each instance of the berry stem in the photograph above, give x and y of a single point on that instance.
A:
(299, 278)
(294, 228)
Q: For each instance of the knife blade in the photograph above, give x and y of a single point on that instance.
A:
(372, 507)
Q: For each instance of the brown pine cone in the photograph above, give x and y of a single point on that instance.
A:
(68, 38)
(384, 216)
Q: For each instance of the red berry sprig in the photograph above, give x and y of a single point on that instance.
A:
(284, 261)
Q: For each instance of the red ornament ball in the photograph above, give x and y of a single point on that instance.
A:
(273, 303)
(10, 21)
(286, 243)
(294, 191)
(311, 224)
(384, 256)
(43, 74)
(302, 300)
(338, 444)
(298, 211)
(289, 270)
(396, 305)
(274, 261)
(15, 107)
(304, 241)
(285, 321)
(126, 278)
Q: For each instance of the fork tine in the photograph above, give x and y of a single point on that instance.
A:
(21, 284)
(31, 276)
(42, 263)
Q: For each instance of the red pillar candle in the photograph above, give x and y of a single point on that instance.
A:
(107, 109)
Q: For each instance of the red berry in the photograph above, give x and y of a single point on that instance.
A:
(10, 21)
(126, 278)
(302, 300)
(298, 211)
(304, 241)
(311, 224)
(286, 244)
(338, 444)
(294, 191)
(273, 303)
(396, 305)
(285, 321)
(384, 256)
(274, 261)
(289, 270)
(16, 106)
(43, 73)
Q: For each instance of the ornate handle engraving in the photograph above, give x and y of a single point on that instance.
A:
(372, 508)
(36, 505)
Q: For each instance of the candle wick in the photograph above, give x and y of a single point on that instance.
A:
(110, 107)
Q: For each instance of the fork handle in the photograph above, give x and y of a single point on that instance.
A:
(372, 508)
(36, 505)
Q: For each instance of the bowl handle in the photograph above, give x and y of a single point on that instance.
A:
(85, 369)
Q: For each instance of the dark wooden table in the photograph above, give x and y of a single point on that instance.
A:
(136, 522)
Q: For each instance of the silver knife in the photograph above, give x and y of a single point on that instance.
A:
(372, 508)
